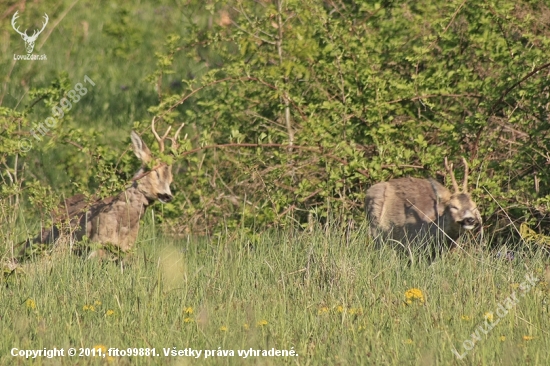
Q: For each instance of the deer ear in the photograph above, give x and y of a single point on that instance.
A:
(442, 193)
(140, 149)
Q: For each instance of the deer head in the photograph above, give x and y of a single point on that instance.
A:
(460, 207)
(155, 176)
(29, 40)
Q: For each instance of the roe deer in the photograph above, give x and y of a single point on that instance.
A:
(115, 220)
(409, 209)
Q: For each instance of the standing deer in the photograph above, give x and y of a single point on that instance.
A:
(412, 209)
(115, 220)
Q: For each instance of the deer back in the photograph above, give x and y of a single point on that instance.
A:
(405, 205)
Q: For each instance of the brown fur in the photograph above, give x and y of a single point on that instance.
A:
(115, 220)
(408, 209)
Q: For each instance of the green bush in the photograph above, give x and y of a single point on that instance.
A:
(292, 109)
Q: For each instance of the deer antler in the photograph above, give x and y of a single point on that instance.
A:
(43, 25)
(466, 172)
(13, 19)
(161, 140)
(449, 170)
(24, 34)
(174, 139)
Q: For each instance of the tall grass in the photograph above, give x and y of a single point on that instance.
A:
(331, 297)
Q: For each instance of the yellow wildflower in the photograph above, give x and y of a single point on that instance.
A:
(489, 317)
(246, 326)
(528, 338)
(465, 317)
(97, 303)
(408, 341)
(188, 310)
(88, 308)
(187, 320)
(262, 322)
(323, 310)
(110, 312)
(502, 338)
(100, 350)
(414, 294)
(223, 328)
(31, 304)
(340, 309)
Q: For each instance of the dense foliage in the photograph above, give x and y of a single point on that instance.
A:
(292, 108)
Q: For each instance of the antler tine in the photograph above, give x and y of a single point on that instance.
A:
(44, 24)
(159, 139)
(466, 172)
(13, 19)
(174, 139)
(452, 174)
(36, 32)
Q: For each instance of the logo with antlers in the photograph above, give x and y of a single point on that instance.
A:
(29, 40)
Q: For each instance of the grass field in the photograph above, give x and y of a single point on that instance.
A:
(329, 297)
(351, 94)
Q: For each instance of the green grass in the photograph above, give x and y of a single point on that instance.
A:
(334, 301)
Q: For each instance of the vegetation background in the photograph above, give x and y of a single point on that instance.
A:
(292, 109)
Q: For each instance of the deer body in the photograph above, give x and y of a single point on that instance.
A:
(115, 220)
(412, 209)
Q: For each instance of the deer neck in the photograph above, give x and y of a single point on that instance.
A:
(134, 197)
(139, 188)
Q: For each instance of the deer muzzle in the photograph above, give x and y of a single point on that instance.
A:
(165, 198)
(468, 223)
